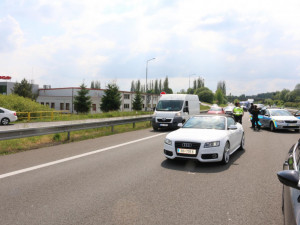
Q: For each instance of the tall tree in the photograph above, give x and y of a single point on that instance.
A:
(166, 86)
(156, 89)
(82, 101)
(97, 85)
(111, 101)
(23, 89)
(219, 96)
(160, 86)
(222, 85)
(132, 88)
(93, 84)
(137, 101)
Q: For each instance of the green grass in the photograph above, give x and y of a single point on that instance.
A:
(23, 144)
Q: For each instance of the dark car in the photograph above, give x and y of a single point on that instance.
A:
(291, 188)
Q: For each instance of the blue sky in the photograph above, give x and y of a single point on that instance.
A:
(254, 46)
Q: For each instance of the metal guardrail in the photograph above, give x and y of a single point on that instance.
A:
(29, 132)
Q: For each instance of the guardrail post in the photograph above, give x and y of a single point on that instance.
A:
(133, 125)
(112, 129)
(68, 137)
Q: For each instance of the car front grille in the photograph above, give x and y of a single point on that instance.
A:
(291, 121)
(164, 120)
(187, 145)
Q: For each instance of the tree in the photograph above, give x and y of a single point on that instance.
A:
(82, 102)
(156, 89)
(111, 100)
(166, 86)
(206, 96)
(92, 84)
(219, 96)
(137, 101)
(97, 85)
(222, 85)
(23, 89)
(132, 88)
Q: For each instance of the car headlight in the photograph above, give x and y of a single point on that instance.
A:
(212, 144)
(178, 114)
(279, 121)
(168, 141)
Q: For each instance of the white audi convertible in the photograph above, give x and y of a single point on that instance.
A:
(207, 138)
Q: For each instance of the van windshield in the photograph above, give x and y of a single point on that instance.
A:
(169, 105)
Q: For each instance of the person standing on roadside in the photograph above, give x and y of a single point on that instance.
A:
(255, 119)
(250, 111)
(238, 113)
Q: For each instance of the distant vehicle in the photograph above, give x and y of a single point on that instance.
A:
(229, 110)
(279, 119)
(173, 109)
(245, 105)
(289, 177)
(7, 116)
(216, 110)
(260, 106)
(207, 138)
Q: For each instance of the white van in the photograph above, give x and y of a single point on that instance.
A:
(173, 109)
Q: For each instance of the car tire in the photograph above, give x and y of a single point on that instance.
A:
(226, 154)
(272, 127)
(5, 121)
(242, 144)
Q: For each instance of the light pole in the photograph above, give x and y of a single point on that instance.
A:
(146, 82)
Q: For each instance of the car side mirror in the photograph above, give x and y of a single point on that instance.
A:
(289, 178)
(232, 127)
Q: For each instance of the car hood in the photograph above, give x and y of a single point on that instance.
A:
(284, 118)
(197, 135)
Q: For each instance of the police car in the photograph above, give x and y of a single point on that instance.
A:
(279, 119)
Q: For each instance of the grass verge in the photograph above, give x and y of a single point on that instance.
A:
(24, 144)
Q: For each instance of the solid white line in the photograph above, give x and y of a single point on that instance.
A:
(74, 157)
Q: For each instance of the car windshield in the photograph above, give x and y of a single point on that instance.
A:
(169, 105)
(206, 122)
(215, 109)
(280, 113)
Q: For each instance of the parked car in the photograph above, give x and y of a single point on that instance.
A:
(207, 138)
(279, 119)
(289, 177)
(7, 116)
(216, 110)
(229, 110)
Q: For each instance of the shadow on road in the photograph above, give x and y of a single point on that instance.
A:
(194, 166)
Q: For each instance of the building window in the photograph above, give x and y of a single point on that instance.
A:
(126, 106)
(42, 103)
(67, 106)
(61, 106)
(52, 105)
(47, 103)
(126, 96)
(143, 105)
(94, 107)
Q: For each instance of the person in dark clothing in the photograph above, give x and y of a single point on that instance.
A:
(250, 111)
(255, 120)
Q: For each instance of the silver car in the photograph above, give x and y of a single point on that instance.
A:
(7, 116)
(279, 119)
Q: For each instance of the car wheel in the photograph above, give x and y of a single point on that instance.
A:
(272, 127)
(242, 144)
(5, 121)
(226, 154)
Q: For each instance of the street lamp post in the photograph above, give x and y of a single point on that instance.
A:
(146, 82)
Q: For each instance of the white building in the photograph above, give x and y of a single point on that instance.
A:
(63, 99)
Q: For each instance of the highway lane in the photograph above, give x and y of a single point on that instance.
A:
(134, 184)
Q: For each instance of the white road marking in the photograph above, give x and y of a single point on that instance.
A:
(75, 157)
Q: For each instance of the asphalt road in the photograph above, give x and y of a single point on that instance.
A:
(132, 183)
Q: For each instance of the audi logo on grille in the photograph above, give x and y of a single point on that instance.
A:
(186, 145)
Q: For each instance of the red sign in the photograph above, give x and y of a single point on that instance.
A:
(162, 93)
(5, 77)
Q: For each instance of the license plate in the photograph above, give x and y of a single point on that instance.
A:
(186, 151)
(163, 125)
